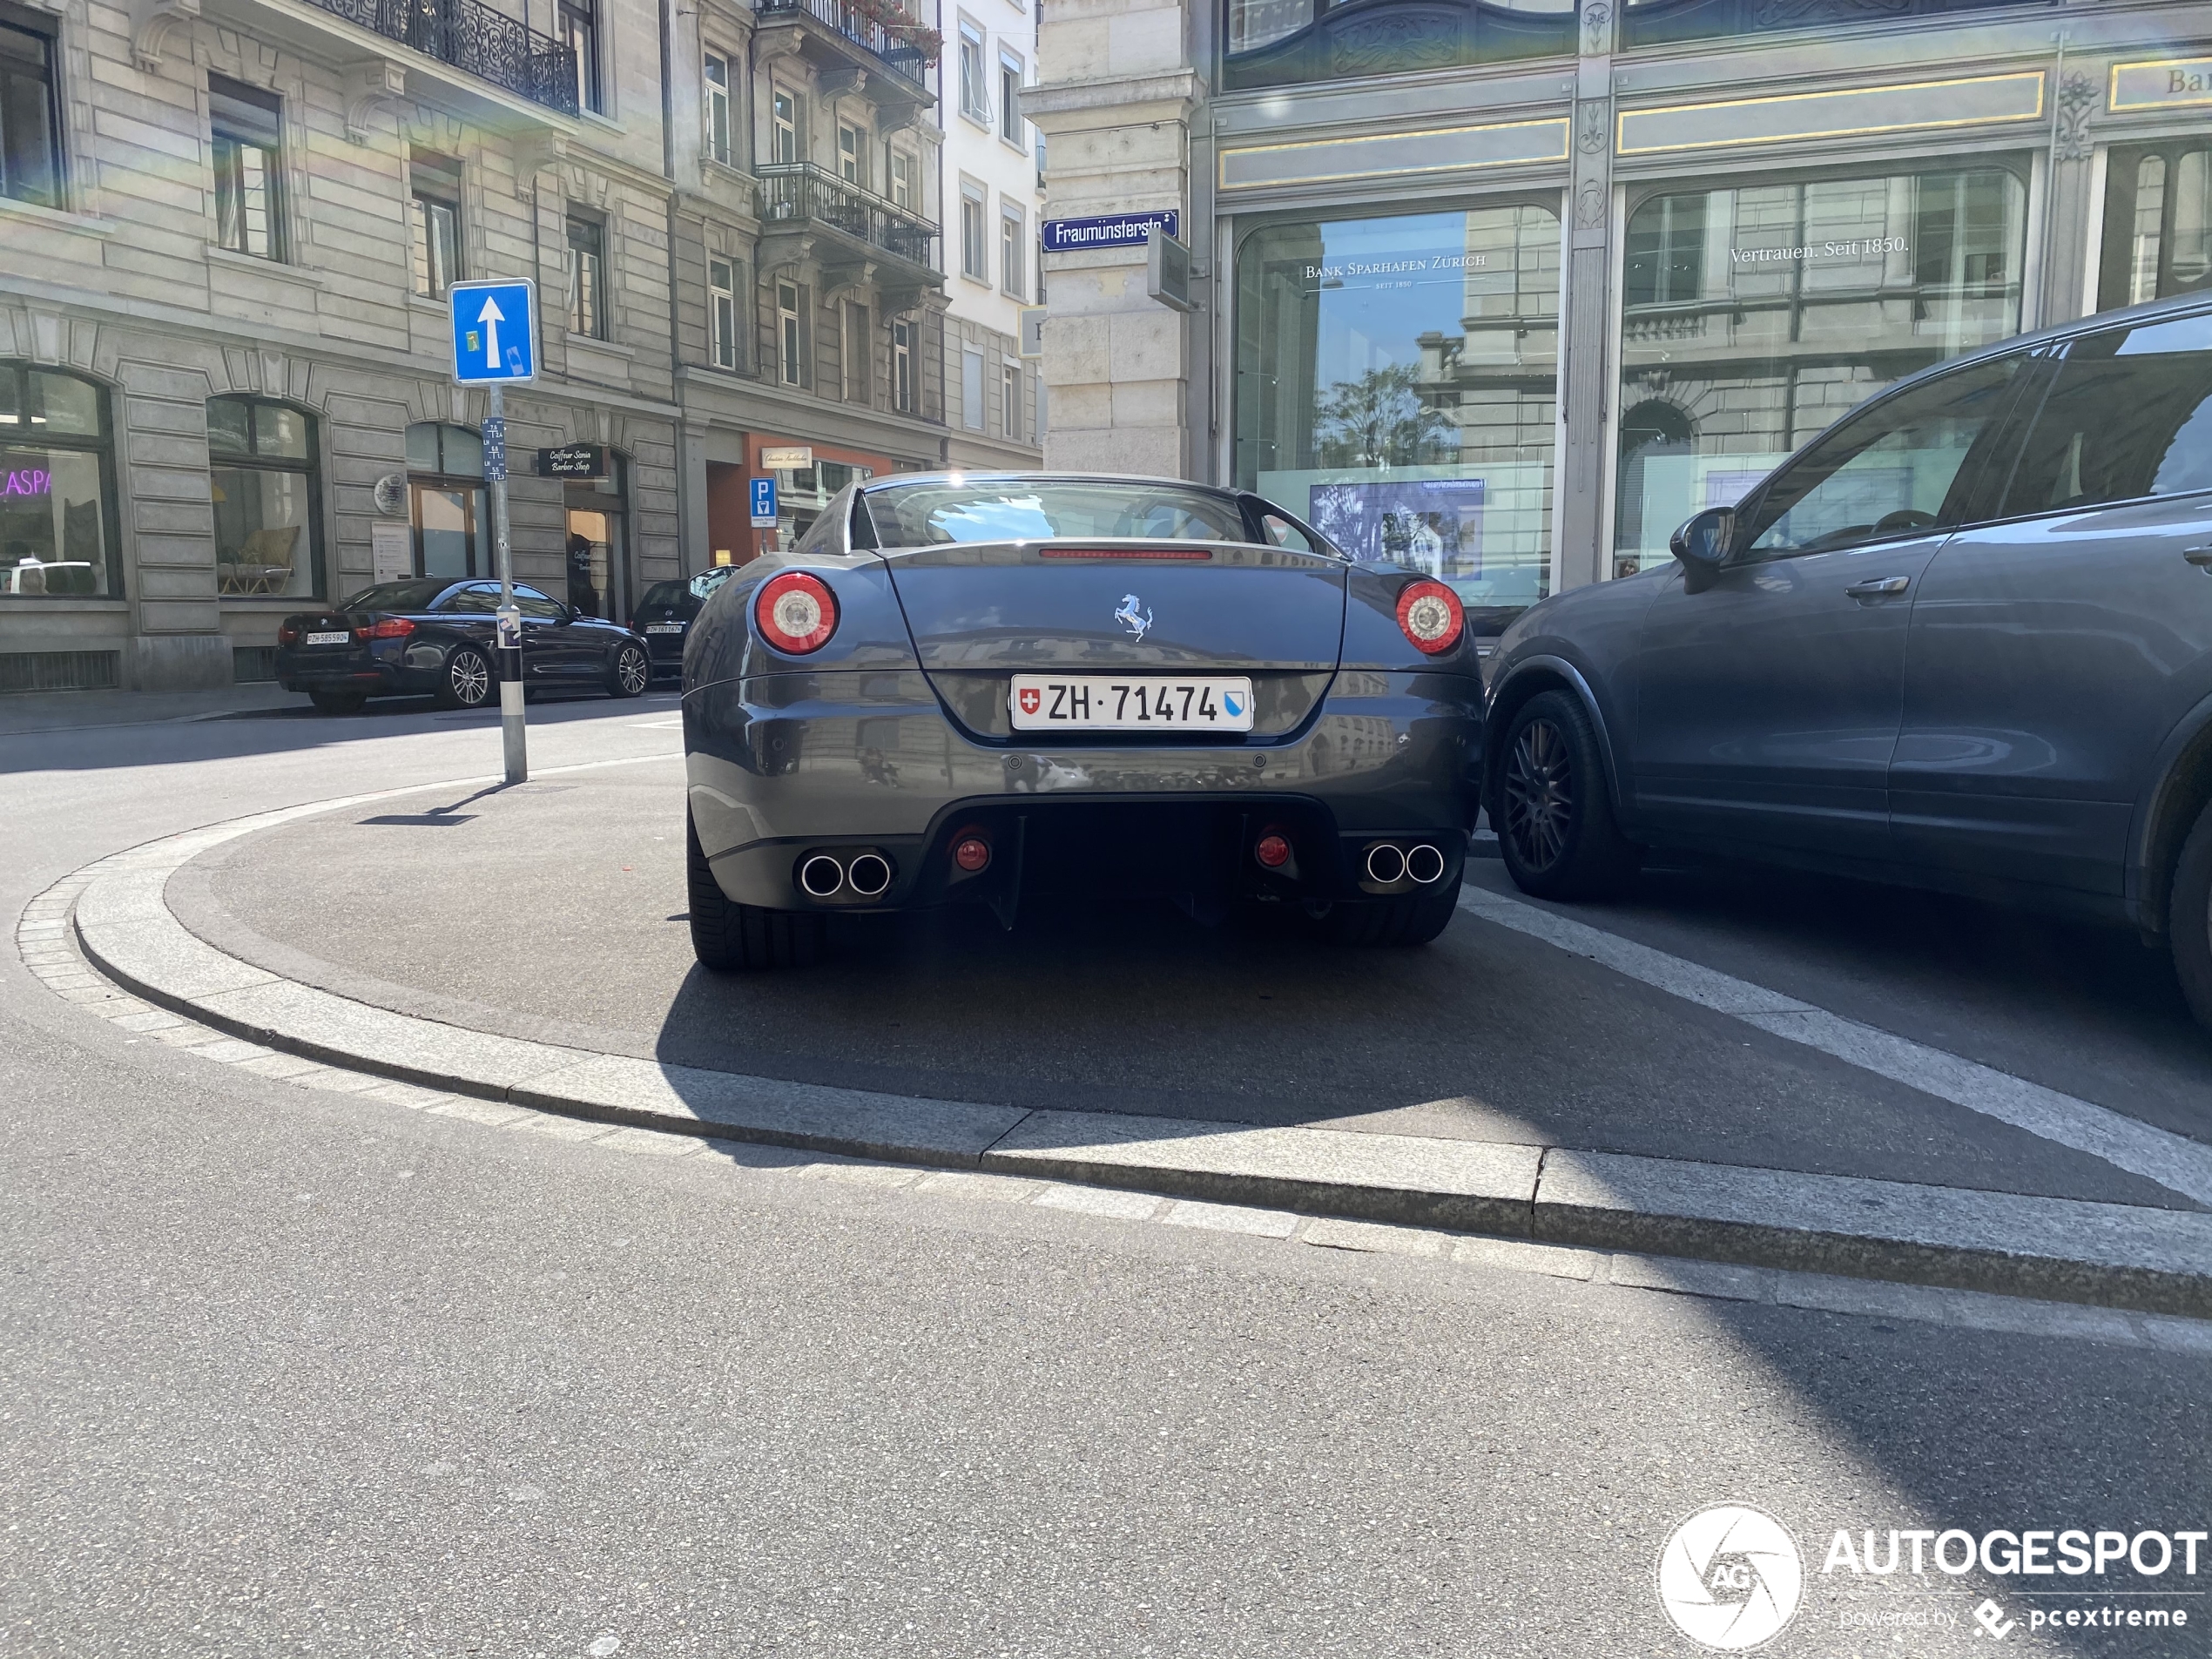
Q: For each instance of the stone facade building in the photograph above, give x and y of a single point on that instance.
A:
(1509, 290)
(225, 376)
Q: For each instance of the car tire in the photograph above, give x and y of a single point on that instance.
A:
(468, 680)
(727, 936)
(629, 673)
(1407, 919)
(1555, 807)
(338, 701)
(2188, 918)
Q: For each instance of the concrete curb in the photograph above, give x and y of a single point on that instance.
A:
(2113, 1255)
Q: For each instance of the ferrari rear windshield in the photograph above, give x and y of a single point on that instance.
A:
(1028, 509)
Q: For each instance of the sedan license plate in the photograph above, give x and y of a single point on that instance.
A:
(663, 627)
(341, 638)
(1102, 703)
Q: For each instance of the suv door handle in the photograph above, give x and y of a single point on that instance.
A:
(1878, 586)
(2200, 556)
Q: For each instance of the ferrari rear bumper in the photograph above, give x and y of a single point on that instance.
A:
(788, 768)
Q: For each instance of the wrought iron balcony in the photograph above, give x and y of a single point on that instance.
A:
(471, 37)
(798, 192)
(887, 51)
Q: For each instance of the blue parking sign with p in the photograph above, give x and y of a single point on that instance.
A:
(494, 332)
(764, 501)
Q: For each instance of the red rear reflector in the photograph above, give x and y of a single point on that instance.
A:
(1193, 554)
(1272, 851)
(971, 852)
(387, 628)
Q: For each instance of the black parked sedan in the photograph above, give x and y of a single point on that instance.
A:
(665, 614)
(431, 636)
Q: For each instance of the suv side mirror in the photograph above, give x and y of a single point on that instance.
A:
(1702, 544)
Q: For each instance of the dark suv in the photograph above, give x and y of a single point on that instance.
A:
(1963, 639)
(665, 614)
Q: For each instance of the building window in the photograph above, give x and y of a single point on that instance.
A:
(578, 20)
(852, 154)
(971, 390)
(974, 93)
(1012, 239)
(1010, 399)
(30, 151)
(791, 335)
(445, 467)
(263, 477)
(2158, 223)
(722, 308)
(783, 128)
(717, 107)
(902, 180)
(1397, 388)
(57, 526)
(587, 277)
(902, 367)
(246, 127)
(1754, 316)
(853, 353)
(974, 258)
(433, 223)
(1010, 101)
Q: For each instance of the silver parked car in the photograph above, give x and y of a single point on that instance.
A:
(1962, 639)
(962, 689)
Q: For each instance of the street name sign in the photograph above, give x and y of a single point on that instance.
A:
(494, 332)
(1112, 229)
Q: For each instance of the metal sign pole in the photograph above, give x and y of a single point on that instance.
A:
(510, 620)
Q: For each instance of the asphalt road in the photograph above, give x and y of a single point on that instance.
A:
(288, 1372)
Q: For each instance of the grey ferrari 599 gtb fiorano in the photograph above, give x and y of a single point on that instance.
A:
(962, 689)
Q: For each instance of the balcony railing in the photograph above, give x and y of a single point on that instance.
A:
(901, 58)
(470, 36)
(794, 191)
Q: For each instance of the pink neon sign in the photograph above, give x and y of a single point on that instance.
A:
(31, 482)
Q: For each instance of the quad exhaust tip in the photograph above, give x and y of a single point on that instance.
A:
(1385, 864)
(1425, 863)
(821, 875)
(869, 875)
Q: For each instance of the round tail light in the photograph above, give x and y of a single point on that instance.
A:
(797, 612)
(1272, 851)
(1430, 614)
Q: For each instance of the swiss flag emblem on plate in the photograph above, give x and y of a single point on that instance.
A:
(1032, 699)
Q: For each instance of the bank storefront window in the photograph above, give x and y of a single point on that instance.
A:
(2158, 223)
(1396, 386)
(57, 486)
(1753, 317)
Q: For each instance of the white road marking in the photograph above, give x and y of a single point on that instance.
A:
(2174, 1161)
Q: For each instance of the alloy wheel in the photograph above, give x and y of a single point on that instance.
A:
(632, 670)
(470, 677)
(1540, 794)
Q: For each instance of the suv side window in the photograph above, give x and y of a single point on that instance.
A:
(2128, 414)
(1898, 469)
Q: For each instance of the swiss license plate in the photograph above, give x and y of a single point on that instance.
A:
(1104, 703)
(663, 627)
(340, 639)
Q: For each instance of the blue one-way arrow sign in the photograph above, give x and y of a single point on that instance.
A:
(494, 332)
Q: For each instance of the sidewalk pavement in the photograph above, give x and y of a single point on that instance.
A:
(25, 712)
(2115, 1255)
